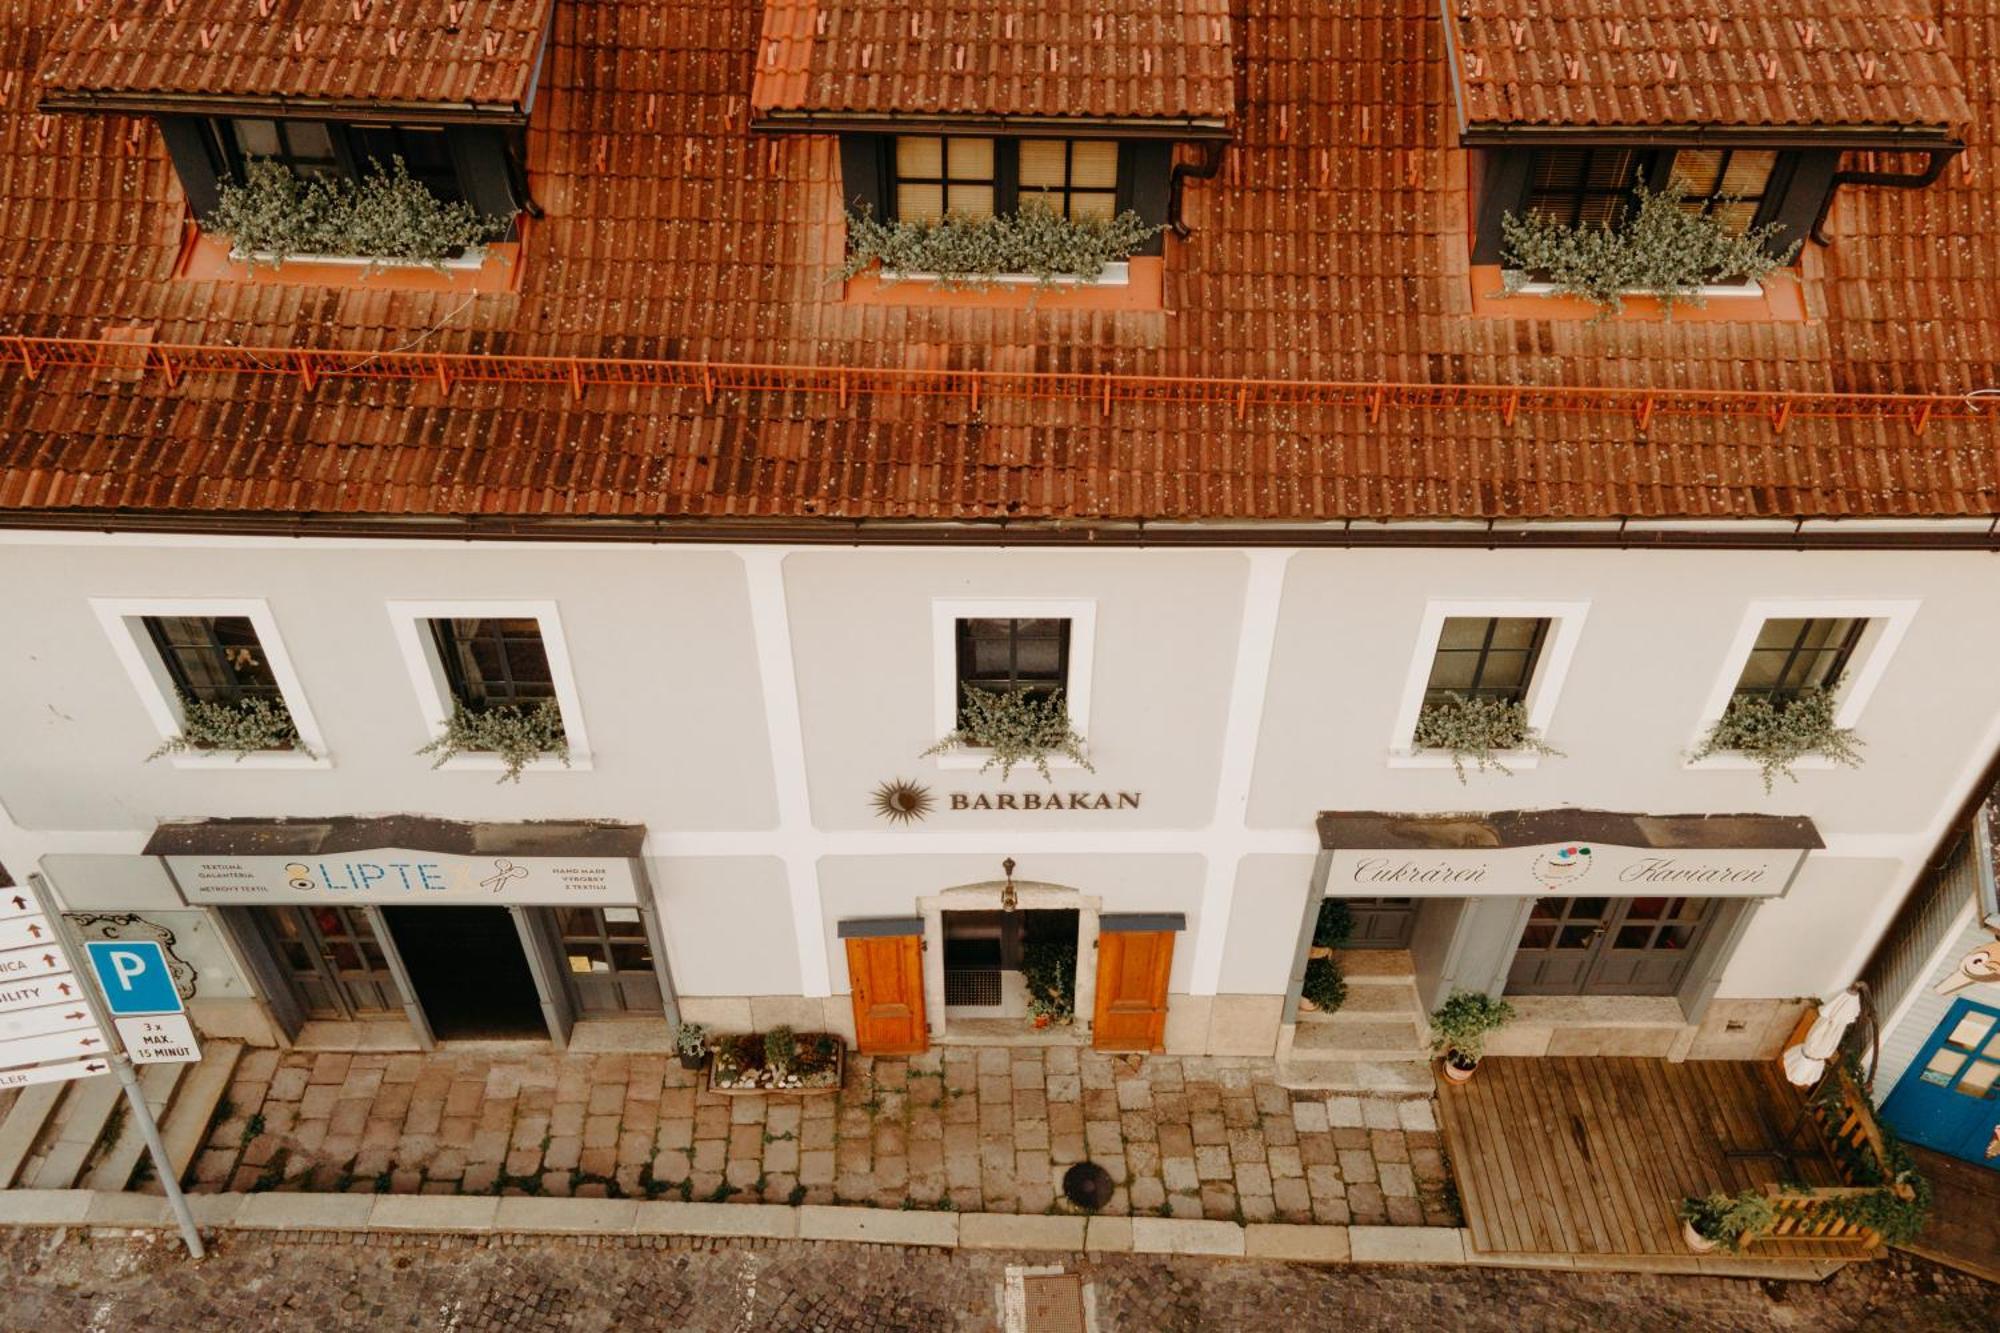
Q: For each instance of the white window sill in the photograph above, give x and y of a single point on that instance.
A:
(962, 760)
(1714, 292)
(262, 759)
(1514, 759)
(471, 261)
(1117, 274)
(1743, 763)
(493, 763)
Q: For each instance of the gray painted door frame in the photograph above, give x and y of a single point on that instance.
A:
(536, 927)
(420, 1023)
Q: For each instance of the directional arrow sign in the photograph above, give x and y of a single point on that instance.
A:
(49, 1018)
(21, 1078)
(25, 931)
(16, 902)
(56, 1046)
(61, 988)
(23, 964)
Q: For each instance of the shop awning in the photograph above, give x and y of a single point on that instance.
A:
(1521, 853)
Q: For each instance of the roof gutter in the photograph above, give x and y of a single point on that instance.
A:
(1981, 534)
(298, 108)
(1886, 138)
(1888, 180)
(1182, 129)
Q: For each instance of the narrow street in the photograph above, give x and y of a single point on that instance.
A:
(68, 1281)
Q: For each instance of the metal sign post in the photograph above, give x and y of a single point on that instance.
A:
(121, 1064)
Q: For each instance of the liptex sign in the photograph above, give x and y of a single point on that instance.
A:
(1563, 868)
(397, 876)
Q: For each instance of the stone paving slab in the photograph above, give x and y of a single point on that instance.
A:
(966, 1129)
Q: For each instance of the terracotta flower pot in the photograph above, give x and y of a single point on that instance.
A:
(1307, 1006)
(1457, 1068)
(1319, 951)
(1041, 1020)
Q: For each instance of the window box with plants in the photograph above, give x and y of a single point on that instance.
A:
(387, 219)
(1015, 727)
(245, 727)
(516, 734)
(780, 1060)
(1776, 732)
(1484, 731)
(1459, 1029)
(1666, 249)
(1034, 246)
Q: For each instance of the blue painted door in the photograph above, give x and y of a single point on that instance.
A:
(1949, 1098)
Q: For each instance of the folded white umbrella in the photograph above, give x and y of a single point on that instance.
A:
(1806, 1062)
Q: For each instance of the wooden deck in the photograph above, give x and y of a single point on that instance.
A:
(1591, 1156)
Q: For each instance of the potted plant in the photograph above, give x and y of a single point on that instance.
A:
(1332, 928)
(1324, 988)
(389, 217)
(691, 1044)
(241, 727)
(518, 733)
(1776, 733)
(1048, 968)
(1018, 727)
(1717, 1219)
(1459, 1028)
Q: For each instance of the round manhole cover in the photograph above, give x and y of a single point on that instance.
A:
(1087, 1185)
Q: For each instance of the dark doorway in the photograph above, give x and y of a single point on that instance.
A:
(468, 970)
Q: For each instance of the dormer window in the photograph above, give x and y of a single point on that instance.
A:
(974, 178)
(318, 149)
(1597, 186)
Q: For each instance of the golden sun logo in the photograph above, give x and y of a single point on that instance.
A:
(902, 802)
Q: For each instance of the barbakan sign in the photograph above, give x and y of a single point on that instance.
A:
(1035, 800)
(1561, 868)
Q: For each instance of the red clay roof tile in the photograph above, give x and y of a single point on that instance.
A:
(1109, 59)
(1671, 62)
(1332, 246)
(463, 53)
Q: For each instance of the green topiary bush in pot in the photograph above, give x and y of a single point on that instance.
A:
(1324, 988)
(1459, 1028)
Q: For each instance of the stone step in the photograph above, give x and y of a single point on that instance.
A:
(1370, 1001)
(1383, 1078)
(1359, 1038)
(201, 1090)
(79, 1123)
(22, 1129)
(1369, 966)
(113, 1167)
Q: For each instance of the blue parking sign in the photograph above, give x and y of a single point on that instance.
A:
(134, 977)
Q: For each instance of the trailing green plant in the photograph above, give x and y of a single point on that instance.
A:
(388, 215)
(1479, 729)
(1048, 969)
(1663, 249)
(1325, 984)
(1728, 1219)
(1461, 1023)
(1777, 733)
(1018, 727)
(242, 727)
(970, 252)
(781, 1045)
(1334, 925)
(691, 1039)
(518, 735)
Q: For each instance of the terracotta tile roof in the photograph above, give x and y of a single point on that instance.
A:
(1108, 58)
(1672, 62)
(478, 53)
(1332, 245)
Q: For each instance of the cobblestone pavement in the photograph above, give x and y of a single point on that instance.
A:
(64, 1281)
(980, 1130)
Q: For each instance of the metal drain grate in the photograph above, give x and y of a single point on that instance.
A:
(1054, 1303)
(972, 985)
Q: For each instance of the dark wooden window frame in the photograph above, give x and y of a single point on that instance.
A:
(963, 638)
(1794, 676)
(1515, 692)
(1006, 171)
(455, 656)
(235, 688)
(1798, 183)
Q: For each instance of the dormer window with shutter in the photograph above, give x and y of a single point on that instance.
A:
(325, 133)
(995, 129)
(1749, 123)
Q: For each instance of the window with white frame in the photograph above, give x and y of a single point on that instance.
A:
(215, 682)
(1029, 647)
(1793, 654)
(1497, 652)
(476, 662)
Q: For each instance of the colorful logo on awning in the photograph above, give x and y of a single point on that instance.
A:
(1562, 866)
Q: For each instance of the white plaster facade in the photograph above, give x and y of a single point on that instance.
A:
(742, 703)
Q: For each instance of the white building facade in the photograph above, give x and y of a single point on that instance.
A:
(714, 850)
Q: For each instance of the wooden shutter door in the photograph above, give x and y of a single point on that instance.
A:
(886, 973)
(1132, 968)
